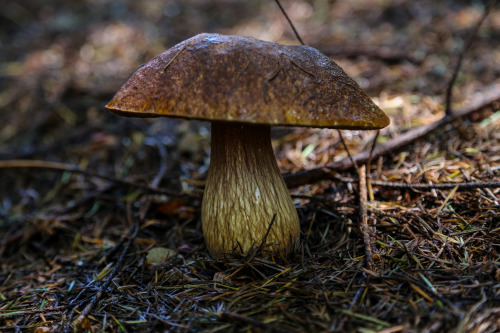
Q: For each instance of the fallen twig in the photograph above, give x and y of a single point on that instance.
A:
(365, 229)
(369, 167)
(442, 186)
(439, 186)
(41, 164)
(487, 98)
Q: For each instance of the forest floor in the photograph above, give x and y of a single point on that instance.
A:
(87, 196)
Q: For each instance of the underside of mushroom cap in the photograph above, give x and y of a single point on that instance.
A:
(241, 79)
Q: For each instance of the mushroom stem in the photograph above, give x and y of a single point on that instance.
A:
(244, 191)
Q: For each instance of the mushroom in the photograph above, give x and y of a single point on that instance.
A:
(244, 86)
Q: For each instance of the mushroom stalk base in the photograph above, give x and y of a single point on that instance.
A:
(244, 191)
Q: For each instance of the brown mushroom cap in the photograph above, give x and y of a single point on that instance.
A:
(241, 79)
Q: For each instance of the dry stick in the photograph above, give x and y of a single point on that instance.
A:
(348, 152)
(438, 186)
(374, 144)
(290, 22)
(490, 96)
(369, 167)
(40, 164)
(364, 185)
(163, 166)
(458, 65)
(442, 186)
(365, 229)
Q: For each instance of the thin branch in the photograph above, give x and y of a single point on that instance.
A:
(49, 165)
(365, 229)
(369, 167)
(370, 157)
(441, 186)
(290, 22)
(458, 65)
(163, 166)
(438, 186)
(348, 152)
(487, 98)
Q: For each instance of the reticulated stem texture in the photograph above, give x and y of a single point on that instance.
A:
(244, 190)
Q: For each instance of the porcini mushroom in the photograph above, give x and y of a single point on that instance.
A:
(244, 86)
